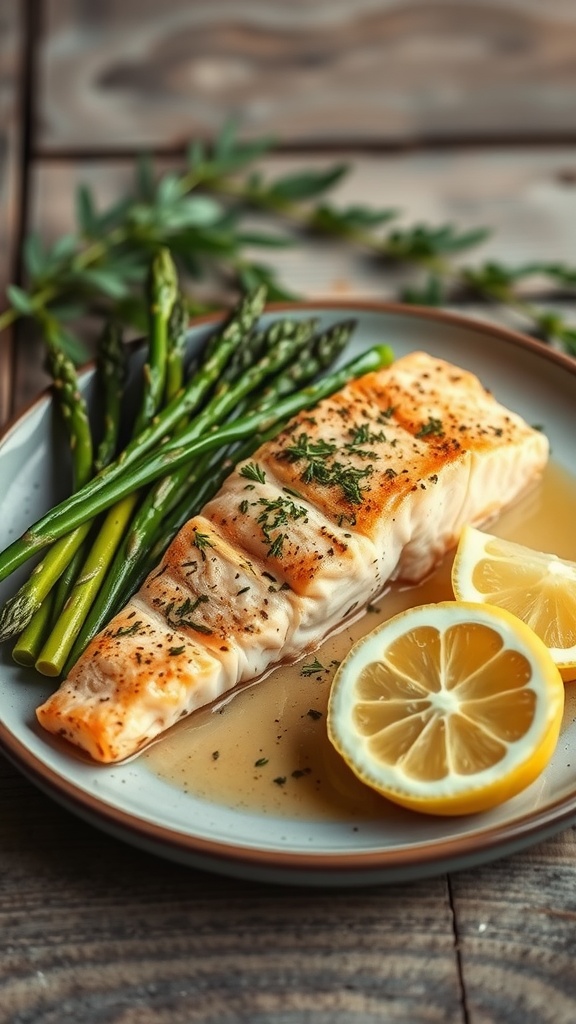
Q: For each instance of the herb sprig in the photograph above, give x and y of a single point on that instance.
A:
(201, 214)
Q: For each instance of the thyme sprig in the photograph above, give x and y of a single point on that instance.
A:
(204, 215)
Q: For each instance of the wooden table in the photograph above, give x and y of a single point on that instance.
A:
(92, 930)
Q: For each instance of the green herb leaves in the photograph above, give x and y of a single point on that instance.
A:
(320, 466)
(200, 214)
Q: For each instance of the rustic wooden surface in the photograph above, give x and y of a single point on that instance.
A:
(372, 71)
(91, 930)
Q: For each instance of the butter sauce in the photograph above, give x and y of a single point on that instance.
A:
(265, 748)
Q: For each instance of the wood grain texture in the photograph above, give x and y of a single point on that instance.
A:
(517, 936)
(93, 931)
(143, 74)
(10, 88)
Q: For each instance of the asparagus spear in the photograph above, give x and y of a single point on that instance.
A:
(31, 639)
(324, 351)
(111, 371)
(58, 644)
(17, 612)
(257, 343)
(85, 504)
(72, 405)
(176, 349)
(109, 540)
(162, 291)
(225, 341)
(185, 402)
(75, 415)
(166, 341)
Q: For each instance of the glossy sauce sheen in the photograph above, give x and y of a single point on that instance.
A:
(265, 749)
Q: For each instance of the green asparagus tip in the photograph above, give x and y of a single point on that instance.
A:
(163, 281)
(16, 615)
(386, 355)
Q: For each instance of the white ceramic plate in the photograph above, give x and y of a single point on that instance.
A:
(133, 803)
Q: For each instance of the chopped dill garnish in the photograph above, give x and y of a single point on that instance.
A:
(432, 427)
(363, 435)
(127, 630)
(276, 547)
(277, 512)
(313, 668)
(179, 615)
(320, 468)
(202, 541)
(252, 471)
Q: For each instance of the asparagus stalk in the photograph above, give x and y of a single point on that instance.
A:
(257, 343)
(111, 370)
(18, 611)
(188, 400)
(128, 551)
(324, 351)
(72, 405)
(31, 639)
(176, 349)
(223, 344)
(57, 647)
(162, 291)
(166, 341)
(28, 601)
(89, 502)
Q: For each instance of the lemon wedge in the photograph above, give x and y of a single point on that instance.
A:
(447, 708)
(539, 588)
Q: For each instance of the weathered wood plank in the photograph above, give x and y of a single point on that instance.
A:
(517, 936)
(93, 930)
(10, 79)
(526, 196)
(398, 71)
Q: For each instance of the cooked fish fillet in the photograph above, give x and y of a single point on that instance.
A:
(372, 485)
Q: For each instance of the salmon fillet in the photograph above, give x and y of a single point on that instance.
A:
(372, 485)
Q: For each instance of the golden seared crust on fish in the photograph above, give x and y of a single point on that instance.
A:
(373, 484)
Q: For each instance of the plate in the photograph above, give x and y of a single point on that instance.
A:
(137, 805)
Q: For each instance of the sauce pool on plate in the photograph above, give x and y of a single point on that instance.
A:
(265, 749)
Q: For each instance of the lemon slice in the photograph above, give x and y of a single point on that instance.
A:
(539, 588)
(447, 708)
